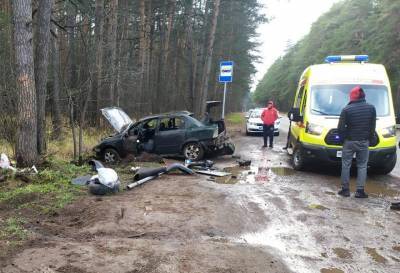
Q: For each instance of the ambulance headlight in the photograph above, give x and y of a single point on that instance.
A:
(314, 129)
(389, 132)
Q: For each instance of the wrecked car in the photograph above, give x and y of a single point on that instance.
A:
(168, 134)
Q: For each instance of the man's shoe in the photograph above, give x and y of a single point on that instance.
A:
(360, 194)
(271, 146)
(344, 192)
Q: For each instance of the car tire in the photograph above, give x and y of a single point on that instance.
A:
(386, 169)
(111, 156)
(298, 160)
(193, 151)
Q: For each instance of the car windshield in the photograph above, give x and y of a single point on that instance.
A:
(329, 100)
(256, 114)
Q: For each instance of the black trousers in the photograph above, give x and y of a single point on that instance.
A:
(268, 133)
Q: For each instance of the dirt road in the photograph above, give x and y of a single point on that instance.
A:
(267, 218)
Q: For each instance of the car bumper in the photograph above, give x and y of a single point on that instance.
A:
(259, 129)
(377, 157)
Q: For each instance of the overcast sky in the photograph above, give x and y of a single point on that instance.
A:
(291, 20)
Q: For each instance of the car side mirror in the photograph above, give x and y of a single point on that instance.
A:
(294, 115)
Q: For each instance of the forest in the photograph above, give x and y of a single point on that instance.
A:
(351, 27)
(64, 60)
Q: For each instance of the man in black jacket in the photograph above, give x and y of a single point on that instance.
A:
(357, 128)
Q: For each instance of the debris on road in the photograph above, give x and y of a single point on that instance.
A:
(106, 181)
(212, 173)
(395, 206)
(244, 163)
(144, 175)
(5, 163)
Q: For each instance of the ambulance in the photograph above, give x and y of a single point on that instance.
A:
(322, 93)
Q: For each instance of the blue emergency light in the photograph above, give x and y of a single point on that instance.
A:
(347, 58)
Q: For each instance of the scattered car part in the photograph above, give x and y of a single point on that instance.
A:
(212, 173)
(244, 163)
(144, 175)
(146, 172)
(106, 180)
(179, 167)
(140, 182)
(203, 164)
(5, 163)
(395, 206)
(82, 180)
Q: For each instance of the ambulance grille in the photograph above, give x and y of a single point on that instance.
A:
(332, 138)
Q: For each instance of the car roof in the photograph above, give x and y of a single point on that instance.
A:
(166, 115)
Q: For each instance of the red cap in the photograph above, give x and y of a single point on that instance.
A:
(357, 93)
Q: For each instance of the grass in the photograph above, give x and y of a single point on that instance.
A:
(48, 191)
(235, 119)
(13, 228)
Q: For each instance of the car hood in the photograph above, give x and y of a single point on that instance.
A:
(117, 118)
(255, 120)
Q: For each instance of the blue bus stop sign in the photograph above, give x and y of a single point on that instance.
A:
(226, 72)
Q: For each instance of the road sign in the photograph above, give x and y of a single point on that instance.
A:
(226, 72)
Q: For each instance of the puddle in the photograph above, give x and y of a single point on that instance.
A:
(331, 270)
(375, 255)
(283, 171)
(246, 175)
(374, 188)
(343, 253)
(318, 206)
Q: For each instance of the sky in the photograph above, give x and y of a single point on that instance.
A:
(291, 21)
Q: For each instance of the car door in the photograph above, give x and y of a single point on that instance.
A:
(170, 135)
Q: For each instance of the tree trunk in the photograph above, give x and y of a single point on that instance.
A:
(208, 62)
(55, 94)
(26, 147)
(98, 33)
(113, 49)
(71, 62)
(142, 50)
(41, 63)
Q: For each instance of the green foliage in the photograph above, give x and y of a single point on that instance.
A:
(351, 27)
(13, 228)
(48, 191)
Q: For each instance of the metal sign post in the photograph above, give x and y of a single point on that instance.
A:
(225, 76)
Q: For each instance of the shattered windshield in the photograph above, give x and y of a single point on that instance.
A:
(329, 100)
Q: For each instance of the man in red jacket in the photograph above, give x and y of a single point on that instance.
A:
(269, 116)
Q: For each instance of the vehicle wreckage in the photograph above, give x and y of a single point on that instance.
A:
(170, 134)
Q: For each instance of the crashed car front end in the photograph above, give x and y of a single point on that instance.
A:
(221, 144)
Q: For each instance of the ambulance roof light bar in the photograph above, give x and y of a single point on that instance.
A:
(347, 58)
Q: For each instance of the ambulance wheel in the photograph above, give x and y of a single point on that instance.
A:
(385, 169)
(298, 160)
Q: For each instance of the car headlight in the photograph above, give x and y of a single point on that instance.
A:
(314, 129)
(389, 132)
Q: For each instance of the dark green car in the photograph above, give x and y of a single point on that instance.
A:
(165, 134)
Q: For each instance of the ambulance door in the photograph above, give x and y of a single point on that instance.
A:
(298, 107)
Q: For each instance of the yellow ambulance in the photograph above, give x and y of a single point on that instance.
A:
(322, 93)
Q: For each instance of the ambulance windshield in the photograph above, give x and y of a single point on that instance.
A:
(329, 100)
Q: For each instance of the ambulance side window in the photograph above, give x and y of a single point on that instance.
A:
(299, 98)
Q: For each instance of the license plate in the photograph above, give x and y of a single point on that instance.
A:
(339, 154)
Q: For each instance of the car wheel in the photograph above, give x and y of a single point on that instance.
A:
(111, 156)
(386, 169)
(298, 159)
(193, 151)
